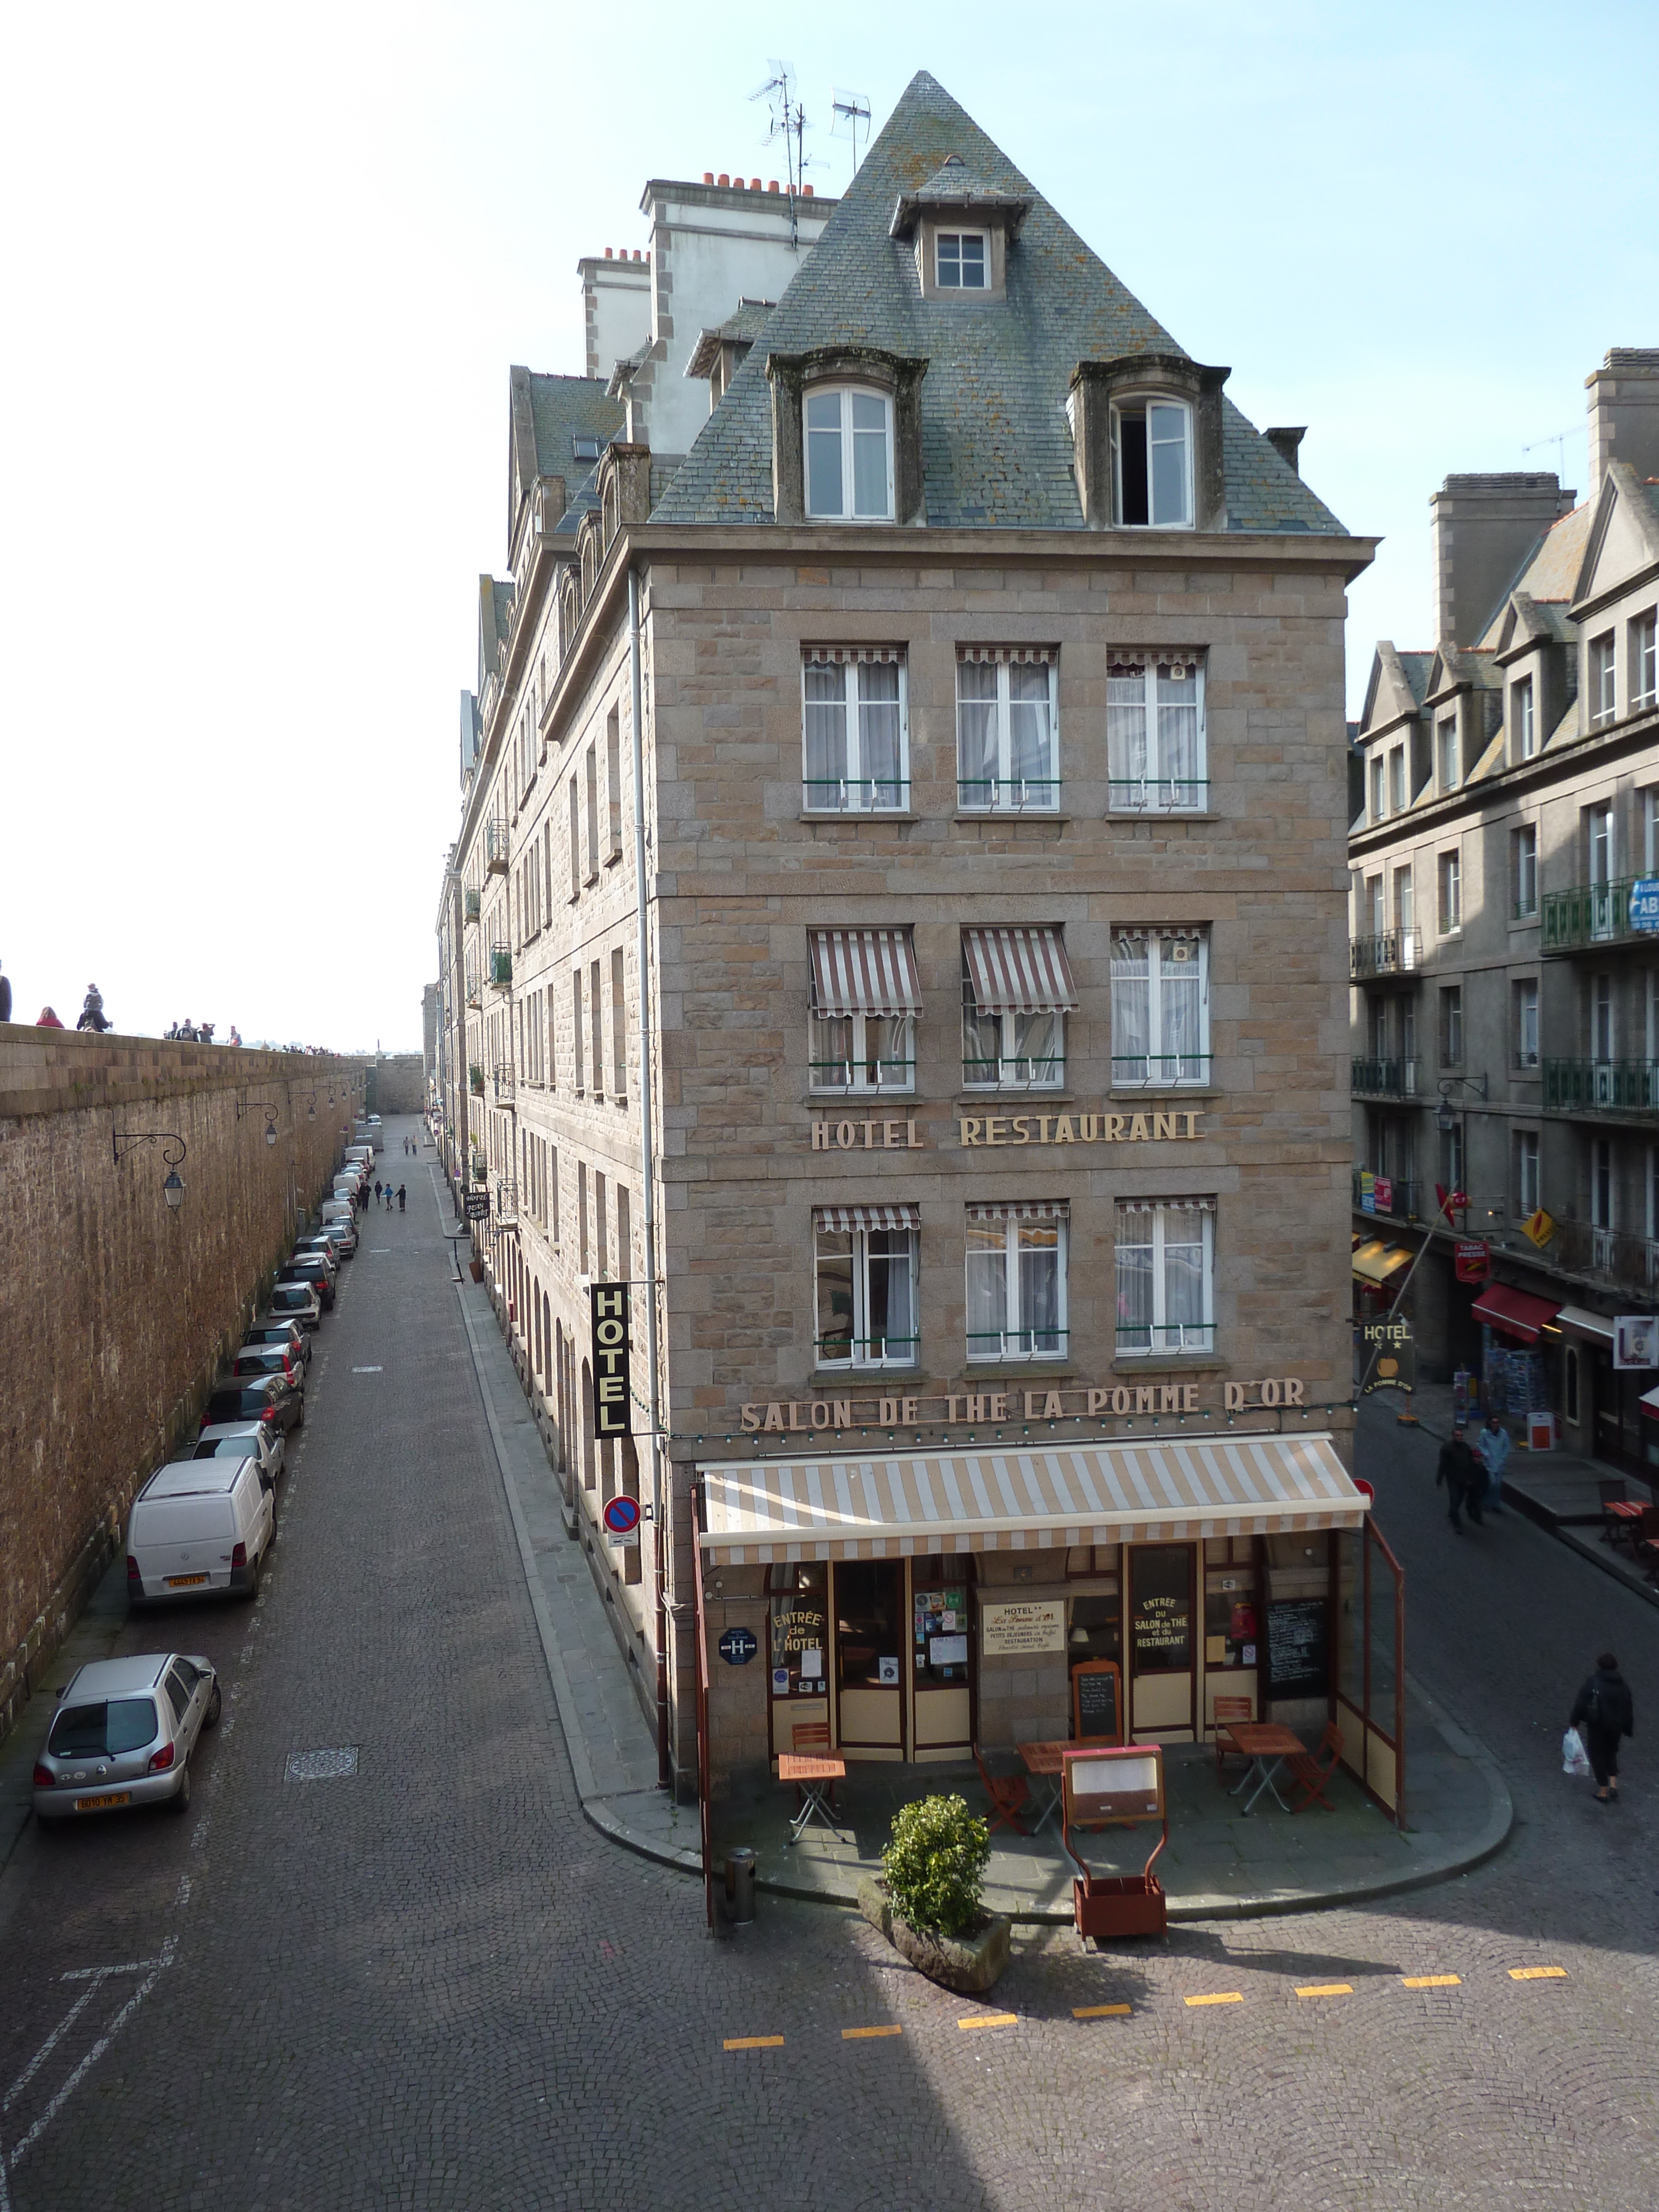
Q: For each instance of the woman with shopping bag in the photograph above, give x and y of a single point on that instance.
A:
(1602, 1713)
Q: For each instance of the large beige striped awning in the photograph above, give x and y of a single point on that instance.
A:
(870, 1506)
(864, 971)
(1021, 971)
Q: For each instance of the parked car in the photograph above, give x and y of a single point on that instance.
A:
(198, 1528)
(314, 1269)
(265, 1398)
(336, 1240)
(270, 1359)
(296, 1302)
(262, 1442)
(346, 1184)
(360, 1156)
(279, 1331)
(123, 1734)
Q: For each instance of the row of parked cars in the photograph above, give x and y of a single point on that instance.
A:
(201, 1527)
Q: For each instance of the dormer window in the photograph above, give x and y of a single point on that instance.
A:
(962, 260)
(849, 455)
(1153, 465)
(584, 448)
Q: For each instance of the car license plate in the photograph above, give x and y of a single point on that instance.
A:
(104, 1804)
(183, 1582)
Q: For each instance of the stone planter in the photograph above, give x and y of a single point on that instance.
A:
(967, 1963)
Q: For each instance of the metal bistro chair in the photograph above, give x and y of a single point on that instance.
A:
(1617, 1529)
(1009, 1795)
(809, 1740)
(1311, 1770)
(1225, 1710)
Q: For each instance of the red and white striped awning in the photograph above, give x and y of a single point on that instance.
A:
(838, 656)
(899, 1216)
(1019, 971)
(1028, 655)
(864, 971)
(1052, 1209)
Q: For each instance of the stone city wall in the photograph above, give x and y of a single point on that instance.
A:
(396, 1084)
(116, 1312)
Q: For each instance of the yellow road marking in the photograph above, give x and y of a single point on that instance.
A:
(1430, 1981)
(1098, 2012)
(754, 2042)
(1326, 1990)
(990, 2020)
(1538, 1973)
(1232, 1996)
(856, 2034)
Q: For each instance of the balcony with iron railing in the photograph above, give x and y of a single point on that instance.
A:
(1393, 952)
(856, 795)
(1589, 916)
(475, 1080)
(1157, 794)
(496, 845)
(1393, 1198)
(506, 1203)
(480, 1166)
(1384, 1079)
(501, 966)
(472, 903)
(1626, 1088)
(504, 1083)
(1615, 1256)
(1018, 794)
(474, 990)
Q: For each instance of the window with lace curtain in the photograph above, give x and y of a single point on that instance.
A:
(1165, 1253)
(854, 739)
(1160, 1007)
(1017, 1281)
(1155, 754)
(1007, 742)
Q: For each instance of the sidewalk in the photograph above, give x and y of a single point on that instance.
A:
(1558, 1489)
(1220, 1864)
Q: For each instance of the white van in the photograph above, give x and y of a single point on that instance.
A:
(199, 1527)
(360, 1156)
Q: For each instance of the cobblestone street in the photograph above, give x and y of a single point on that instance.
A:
(429, 1981)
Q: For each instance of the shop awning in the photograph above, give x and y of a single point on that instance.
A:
(1649, 1402)
(1019, 971)
(860, 1506)
(864, 971)
(1586, 1323)
(1516, 1312)
(1376, 1261)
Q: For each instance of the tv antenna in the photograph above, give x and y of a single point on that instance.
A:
(1559, 440)
(787, 121)
(852, 112)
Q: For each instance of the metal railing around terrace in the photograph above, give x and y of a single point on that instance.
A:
(1587, 915)
(496, 845)
(1157, 794)
(501, 966)
(863, 1077)
(1613, 1254)
(1018, 794)
(1394, 1198)
(1394, 952)
(867, 1351)
(1602, 1086)
(856, 795)
(504, 1081)
(1384, 1079)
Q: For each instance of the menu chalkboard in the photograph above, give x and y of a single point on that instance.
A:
(1095, 1703)
(1298, 1648)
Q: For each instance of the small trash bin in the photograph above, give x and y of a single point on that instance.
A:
(740, 1885)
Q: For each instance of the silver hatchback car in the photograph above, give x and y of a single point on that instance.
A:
(123, 1734)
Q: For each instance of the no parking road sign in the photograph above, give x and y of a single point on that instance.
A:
(622, 1520)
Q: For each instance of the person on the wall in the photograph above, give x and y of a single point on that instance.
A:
(91, 1014)
(47, 1019)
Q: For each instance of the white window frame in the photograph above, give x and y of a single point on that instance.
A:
(816, 799)
(1014, 1070)
(1018, 1338)
(1046, 788)
(859, 1084)
(906, 1351)
(1447, 752)
(1526, 870)
(1603, 685)
(1603, 1018)
(958, 237)
(845, 393)
(1650, 830)
(1397, 780)
(1644, 660)
(1405, 908)
(1449, 892)
(1166, 1336)
(1132, 405)
(1379, 788)
(1526, 1021)
(1450, 1040)
(1602, 842)
(1603, 1185)
(1525, 719)
(1156, 792)
(1191, 1069)
(1527, 1180)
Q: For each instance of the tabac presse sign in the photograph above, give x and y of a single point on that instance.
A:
(613, 1399)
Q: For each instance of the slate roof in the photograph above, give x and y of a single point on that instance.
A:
(564, 407)
(996, 449)
(741, 328)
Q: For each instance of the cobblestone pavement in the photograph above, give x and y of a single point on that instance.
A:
(430, 1983)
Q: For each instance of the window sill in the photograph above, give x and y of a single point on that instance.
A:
(1165, 1091)
(998, 818)
(823, 1380)
(611, 859)
(1160, 814)
(588, 882)
(1523, 922)
(968, 1101)
(859, 815)
(1170, 1362)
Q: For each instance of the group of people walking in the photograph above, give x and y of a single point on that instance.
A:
(401, 1195)
(1472, 1474)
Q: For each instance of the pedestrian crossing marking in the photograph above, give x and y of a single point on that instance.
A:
(857, 2034)
(1228, 1996)
(754, 2042)
(1326, 1990)
(1099, 2012)
(990, 2020)
(1538, 1973)
(1430, 1981)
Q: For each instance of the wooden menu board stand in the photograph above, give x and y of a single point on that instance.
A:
(1114, 1787)
(1098, 1701)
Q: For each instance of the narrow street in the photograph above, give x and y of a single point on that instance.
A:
(428, 1981)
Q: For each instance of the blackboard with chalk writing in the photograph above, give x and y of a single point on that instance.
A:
(1298, 1648)
(1095, 1704)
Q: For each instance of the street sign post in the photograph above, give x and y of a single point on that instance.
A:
(622, 1517)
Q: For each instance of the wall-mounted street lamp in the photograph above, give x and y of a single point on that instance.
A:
(1445, 1118)
(122, 1141)
(245, 1106)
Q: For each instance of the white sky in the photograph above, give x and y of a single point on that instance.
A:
(262, 280)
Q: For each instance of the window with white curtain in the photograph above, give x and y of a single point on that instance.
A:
(1155, 743)
(865, 1271)
(1160, 1007)
(849, 455)
(1016, 990)
(1017, 1281)
(864, 999)
(1603, 680)
(1007, 749)
(1522, 720)
(853, 737)
(1446, 737)
(1644, 660)
(1165, 1252)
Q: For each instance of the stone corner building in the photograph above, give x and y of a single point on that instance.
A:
(898, 911)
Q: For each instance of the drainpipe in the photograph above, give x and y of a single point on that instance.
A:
(648, 1177)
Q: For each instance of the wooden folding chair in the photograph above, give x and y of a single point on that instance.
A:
(1616, 1528)
(1311, 1770)
(1009, 1795)
(1230, 1709)
(806, 1740)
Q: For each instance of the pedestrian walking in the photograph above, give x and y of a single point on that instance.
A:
(377, 1190)
(1602, 1713)
(388, 1197)
(400, 1198)
(1463, 1476)
(1491, 1448)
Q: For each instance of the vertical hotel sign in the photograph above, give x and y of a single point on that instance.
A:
(612, 1395)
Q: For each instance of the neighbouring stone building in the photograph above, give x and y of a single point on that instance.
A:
(1505, 999)
(896, 927)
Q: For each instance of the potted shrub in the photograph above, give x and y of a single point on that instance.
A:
(929, 1904)
(475, 1080)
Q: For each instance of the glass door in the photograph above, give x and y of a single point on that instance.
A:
(871, 1644)
(799, 1657)
(941, 1645)
(1162, 1675)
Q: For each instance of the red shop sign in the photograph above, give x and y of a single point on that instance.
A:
(1473, 1258)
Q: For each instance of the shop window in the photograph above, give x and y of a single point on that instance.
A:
(799, 1630)
(869, 1593)
(939, 1619)
(854, 739)
(1165, 1253)
(1156, 754)
(1232, 1617)
(1095, 1626)
(865, 1260)
(1007, 753)
(1017, 1282)
(1160, 1007)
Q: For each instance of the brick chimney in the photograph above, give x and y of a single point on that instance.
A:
(1484, 528)
(1624, 412)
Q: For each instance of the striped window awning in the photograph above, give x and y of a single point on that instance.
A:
(1041, 655)
(1174, 660)
(865, 1506)
(838, 656)
(1056, 1209)
(899, 1216)
(864, 971)
(1019, 971)
(1164, 1205)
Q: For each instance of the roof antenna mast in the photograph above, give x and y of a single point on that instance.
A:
(1559, 440)
(852, 111)
(787, 121)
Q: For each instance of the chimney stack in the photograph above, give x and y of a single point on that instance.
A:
(1624, 412)
(1284, 442)
(1484, 527)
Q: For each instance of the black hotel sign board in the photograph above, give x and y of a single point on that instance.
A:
(612, 1393)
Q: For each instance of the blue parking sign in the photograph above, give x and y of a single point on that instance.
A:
(1645, 904)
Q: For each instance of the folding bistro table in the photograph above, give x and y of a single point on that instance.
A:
(1265, 1744)
(1044, 1763)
